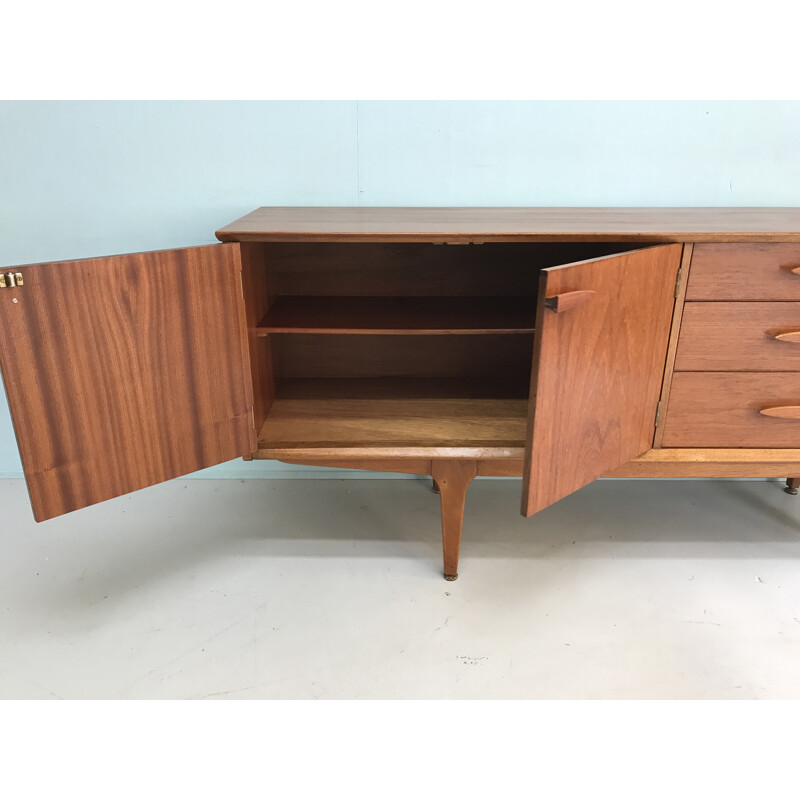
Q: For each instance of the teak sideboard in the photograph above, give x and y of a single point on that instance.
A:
(554, 344)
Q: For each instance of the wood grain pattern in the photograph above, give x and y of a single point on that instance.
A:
(695, 462)
(755, 271)
(730, 337)
(453, 478)
(427, 316)
(496, 357)
(369, 269)
(494, 467)
(566, 301)
(501, 467)
(407, 466)
(790, 337)
(342, 424)
(672, 346)
(258, 295)
(781, 412)
(512, 387)
(515, 224)
(668, 462)
(597, 371)
(721, 409)
(312, 453)
(123, 372)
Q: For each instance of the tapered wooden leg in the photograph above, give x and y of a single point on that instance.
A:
(792, 485)
(453, 476)
(435, 486)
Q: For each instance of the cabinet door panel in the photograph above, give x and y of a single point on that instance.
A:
(127, 371)
(598, 363)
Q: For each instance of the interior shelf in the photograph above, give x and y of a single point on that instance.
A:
(395, 412)
(399, 315)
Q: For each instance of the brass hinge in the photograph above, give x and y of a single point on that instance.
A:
(677, 282)
(658, 412)
(9, 280)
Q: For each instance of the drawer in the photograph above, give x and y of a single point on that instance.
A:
(721, 409)
(744, 272)
(727, 337)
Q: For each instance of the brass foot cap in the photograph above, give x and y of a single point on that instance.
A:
(450, 577)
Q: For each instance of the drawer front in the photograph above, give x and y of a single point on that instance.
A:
(751, 337)
(721, 409)
(744, 272)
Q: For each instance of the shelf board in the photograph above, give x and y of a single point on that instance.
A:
(392, 413)
(399, 315)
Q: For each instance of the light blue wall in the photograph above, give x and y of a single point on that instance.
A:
(86, 179)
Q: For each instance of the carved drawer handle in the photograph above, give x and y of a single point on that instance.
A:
(782, 412)
(568, 300)
(795, 270)
(789, 336)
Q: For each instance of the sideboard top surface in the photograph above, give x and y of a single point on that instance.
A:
(438, 224)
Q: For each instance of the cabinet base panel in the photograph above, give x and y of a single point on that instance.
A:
(665, 462)
(670, 462)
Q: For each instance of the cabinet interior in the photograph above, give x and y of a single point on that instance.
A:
(395, 345)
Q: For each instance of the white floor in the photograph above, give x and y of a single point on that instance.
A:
(333, 589)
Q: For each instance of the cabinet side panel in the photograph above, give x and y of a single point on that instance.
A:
(258, 296)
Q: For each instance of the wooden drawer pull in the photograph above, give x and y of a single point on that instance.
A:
(795, 270)
(568, 300)
(782, 412)
(789, 336)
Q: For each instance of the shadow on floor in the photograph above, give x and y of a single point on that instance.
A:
(135, 541)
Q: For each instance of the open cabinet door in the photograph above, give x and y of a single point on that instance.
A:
(600, 348)
(124, 372)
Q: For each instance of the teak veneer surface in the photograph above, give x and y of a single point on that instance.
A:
(721, 409)
(387, 388)
(668, 462)
(419, 268)
(672, 347)
(355, 356)
(124, 372)
(407, 422)
(597, 370)
(258, 294)
(400, 315)
(750, 271)
(515, 224)
(725, 462)
(729, 337)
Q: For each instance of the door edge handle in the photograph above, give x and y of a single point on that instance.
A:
(788, 336)
(568, 300)
(781, 412)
